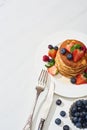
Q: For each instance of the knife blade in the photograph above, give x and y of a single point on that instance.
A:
(47, 105)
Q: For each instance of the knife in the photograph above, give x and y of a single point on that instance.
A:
(47, 105)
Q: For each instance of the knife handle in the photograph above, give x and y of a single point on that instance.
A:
(40, 127)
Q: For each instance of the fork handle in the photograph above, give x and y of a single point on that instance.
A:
(29, 121)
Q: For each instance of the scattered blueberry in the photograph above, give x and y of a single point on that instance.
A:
(56, 47)
(63, 51)
(73, 80)
(69, 56)
(58, 121)
(66, 127)
(62, 113)
(58, 102)
(50, 46)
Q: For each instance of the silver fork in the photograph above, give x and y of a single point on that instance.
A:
(42, 81)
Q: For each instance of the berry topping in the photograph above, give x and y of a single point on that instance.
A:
(75, 46)
(56, 47)
(73, 80)
(58, 121)
(77, 55)
(83, 48)
(45, 58)
(50, 46)
(66, 127)
(53, 70)
(69, 56)
(69, 45)
(52, 53)
(63, 51)
(50, 63)
(62, 113)
(58, 102)
(81, 79)
(79, 118)
(85, 71)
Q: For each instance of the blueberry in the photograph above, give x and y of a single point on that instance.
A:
(74, 109)
(79, 125)
(58, 121)
(63, 51)
(85, 102)
(82, 115)
(75, 119)
(73, 80)
(50, 46)
(86, 107)
(62, 113)
(69, 56)
(79, 109)
(79, 103)
(81, 120)
(86, 117)
(58, 102)
(66, 127)
(84, 125)
(56, 47)
(77, 114)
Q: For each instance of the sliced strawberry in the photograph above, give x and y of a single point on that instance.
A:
(53, 70)
(69, 45)
(52, 53)
(80, 79)
(78, 54)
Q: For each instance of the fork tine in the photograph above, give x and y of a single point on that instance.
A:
(40, 77)
(43, 77)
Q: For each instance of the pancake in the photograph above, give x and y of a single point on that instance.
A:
(70, 62)
(69, 68)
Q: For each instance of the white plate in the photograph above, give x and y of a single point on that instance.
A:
(63, 85)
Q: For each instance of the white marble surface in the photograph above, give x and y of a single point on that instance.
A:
(24, 24)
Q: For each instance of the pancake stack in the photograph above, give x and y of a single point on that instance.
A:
(71, 68)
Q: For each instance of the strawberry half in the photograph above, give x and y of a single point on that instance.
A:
(53, 70)
(68, 46)
(77, 54)
(81, 79)
(52, 53)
